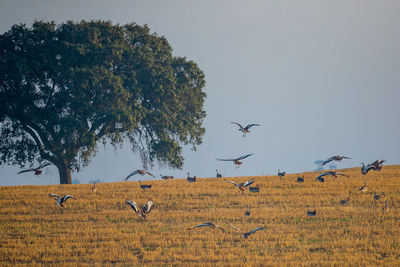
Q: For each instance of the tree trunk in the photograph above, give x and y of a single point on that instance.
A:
(65, 173)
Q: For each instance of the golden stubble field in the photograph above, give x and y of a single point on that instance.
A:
(99, 229)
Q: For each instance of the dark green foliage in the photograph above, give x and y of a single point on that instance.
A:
(65, 88)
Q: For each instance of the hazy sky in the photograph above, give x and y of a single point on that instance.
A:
(321, 77)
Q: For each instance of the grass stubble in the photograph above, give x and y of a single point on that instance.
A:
(99, 229)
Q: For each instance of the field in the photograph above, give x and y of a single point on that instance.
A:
(99, 229)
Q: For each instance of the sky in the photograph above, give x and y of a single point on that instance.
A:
(320, 77)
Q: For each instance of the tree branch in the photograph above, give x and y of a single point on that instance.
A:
(39, 144)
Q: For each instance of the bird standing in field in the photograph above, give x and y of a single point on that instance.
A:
(218, 174)
(208, 224)
(191, 179)
(320, 178)
(144, 186)
(38, 170)
(254, 189)
(237, 161)
(281, 174)
(141, 211)
(311, 213)
(62, 200)
(379, 196)
(141, 172)
(245, 130)
(166, 177)
(385, 209)
(300, 179)
(246, 235)
(247, 212)
(344, 202)
(363, 188)
(94, 189)
(334, 158)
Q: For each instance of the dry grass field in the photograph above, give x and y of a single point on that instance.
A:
(99, 229)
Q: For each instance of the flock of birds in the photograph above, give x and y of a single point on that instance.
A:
(144, 210)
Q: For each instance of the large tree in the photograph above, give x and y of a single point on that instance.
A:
(66, 88)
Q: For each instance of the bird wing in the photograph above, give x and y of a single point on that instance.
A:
(44, 165)
(372, 167)
(237, 228)
(219, 227)
(226, 159)
(338, 173)
(346, 157)
(243, 157)
(255, 230)
(232, 182)
(27, 170)
(373, 164)
(322, 175)
(376, 163)
(131, 174)
(200, 225)
(53, 195)
(247, 183)
(238, 124)
(150, 174)
(66, 197)
(147, 208)
(133, 205)
(251, 125)
(328, 160)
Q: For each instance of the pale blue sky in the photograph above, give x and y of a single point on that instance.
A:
(321, 77)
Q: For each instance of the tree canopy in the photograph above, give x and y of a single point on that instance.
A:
(66, 88)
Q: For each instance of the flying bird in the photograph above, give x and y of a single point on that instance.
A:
(332, 173)
(208, 224)
(334, 158)
(241, 186)
(237, 161)
(141, 211)
(62, 200)
(246, 235)
(245, 130)
(141, 172)
(366, 169)
(37, 170)
(378, 164)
